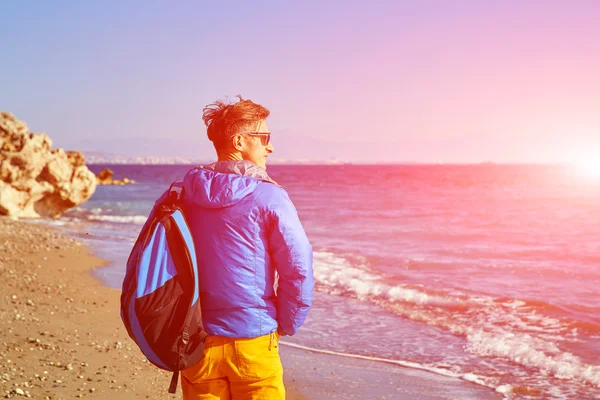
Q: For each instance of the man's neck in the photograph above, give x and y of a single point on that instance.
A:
(229, 157)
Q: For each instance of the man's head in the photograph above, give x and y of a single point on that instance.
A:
(239, 131)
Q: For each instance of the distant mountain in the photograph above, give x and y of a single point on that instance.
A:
(100, 157)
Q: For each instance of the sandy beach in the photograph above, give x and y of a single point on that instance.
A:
(61, 337)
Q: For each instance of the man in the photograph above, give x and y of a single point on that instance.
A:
(246, 231)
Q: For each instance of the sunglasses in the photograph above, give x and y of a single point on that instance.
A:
(265, 137)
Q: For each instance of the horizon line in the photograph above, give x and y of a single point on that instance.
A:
(363, 163)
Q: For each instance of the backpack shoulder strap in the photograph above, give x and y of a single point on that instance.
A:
(175, 192)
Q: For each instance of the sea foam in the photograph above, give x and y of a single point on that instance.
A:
(123, 219)
(511, 328)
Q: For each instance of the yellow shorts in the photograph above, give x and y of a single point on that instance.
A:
(236, 369)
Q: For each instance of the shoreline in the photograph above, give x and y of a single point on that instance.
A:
(62, 337)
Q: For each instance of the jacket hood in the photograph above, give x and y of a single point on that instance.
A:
(223, 183)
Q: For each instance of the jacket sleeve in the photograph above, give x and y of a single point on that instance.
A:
(292, 256)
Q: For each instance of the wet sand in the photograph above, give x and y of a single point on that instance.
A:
(61, 337)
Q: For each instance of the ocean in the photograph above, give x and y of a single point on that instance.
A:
(489, 273)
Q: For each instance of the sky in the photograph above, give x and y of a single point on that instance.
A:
(381, 81)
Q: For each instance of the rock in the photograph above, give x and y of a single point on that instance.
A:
(36, 180)
(104, 177)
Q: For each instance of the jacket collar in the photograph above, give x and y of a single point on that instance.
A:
(240, 167)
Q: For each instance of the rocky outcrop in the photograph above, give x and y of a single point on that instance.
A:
(105, 177)
(36, 180)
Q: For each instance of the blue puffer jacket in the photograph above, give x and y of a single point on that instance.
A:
(245, 230)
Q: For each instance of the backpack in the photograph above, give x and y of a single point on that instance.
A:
(160, 302)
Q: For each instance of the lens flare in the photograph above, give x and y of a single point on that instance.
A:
(589, 167)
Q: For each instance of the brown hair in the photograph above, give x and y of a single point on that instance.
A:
(226, 119)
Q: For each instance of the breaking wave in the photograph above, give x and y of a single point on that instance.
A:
(122, 219)
(512, 329)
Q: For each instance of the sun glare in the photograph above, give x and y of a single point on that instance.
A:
(589, 167)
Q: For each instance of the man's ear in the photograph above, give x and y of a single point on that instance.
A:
(237, 142)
